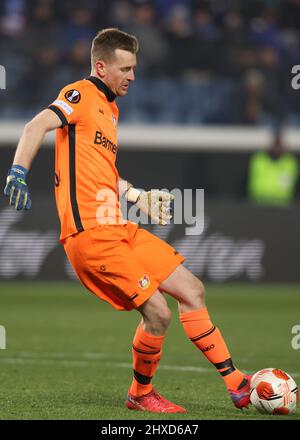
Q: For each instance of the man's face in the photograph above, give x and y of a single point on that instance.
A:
(118, 73)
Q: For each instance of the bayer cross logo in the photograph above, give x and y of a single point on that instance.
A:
(73, 96)
(144, 282)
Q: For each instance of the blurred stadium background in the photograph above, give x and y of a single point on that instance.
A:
(213, 89)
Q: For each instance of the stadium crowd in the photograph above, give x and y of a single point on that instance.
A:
(200, 61)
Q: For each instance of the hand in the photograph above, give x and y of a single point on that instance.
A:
(155, 203)
(16, 188)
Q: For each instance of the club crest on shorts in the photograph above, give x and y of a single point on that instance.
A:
(144, 282)
(73, 96)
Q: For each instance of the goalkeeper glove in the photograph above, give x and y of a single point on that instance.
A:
(155, 203)
(16, 188)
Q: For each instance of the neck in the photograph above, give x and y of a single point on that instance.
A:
(103, 86)
(93, 73)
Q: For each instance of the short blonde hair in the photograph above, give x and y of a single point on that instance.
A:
(108, 40)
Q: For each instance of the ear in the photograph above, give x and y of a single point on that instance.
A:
(100, 68)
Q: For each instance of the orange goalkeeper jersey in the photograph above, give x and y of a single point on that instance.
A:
(86, 178)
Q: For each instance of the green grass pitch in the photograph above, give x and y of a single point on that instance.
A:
(68, 355)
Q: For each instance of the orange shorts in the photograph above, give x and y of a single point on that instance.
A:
(121, 264)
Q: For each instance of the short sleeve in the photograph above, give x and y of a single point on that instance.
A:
(68, 105)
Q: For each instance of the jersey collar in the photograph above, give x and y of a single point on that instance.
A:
(110, 96)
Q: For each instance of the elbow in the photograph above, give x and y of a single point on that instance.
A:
(32, 127)
(29, 127)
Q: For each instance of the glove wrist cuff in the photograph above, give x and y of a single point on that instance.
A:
(132, 194)
(18, 170)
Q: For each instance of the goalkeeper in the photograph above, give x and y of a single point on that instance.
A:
(115, 259)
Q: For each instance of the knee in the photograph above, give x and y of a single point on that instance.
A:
(156, 314)
(163, 317)
(158, 322)
(196, 297)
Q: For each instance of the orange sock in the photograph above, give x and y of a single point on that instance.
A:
(146, 352)
(207, 338)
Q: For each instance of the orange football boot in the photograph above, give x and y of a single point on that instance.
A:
(241, 396)
(153, 402)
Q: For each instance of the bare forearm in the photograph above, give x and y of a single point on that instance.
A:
(29, 144)
(154, 203)
(33, 135)
(124, 187)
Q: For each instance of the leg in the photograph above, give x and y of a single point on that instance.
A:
(146, 351)
(189, 292)
(187, 289)
(164, 263)
(156, 315)
(148, 342)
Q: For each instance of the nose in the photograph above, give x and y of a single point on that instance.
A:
(131, 76)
